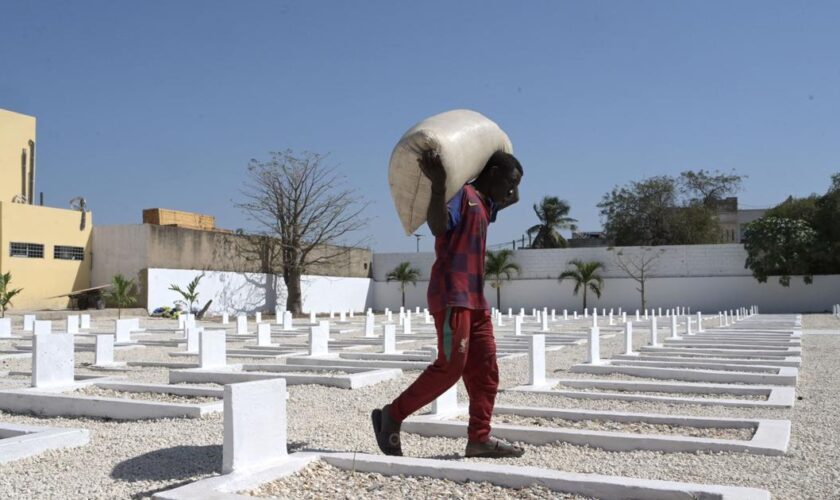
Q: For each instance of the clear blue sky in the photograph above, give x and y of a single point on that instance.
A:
(162, 104)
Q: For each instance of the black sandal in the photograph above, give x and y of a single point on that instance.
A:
(388, 440)
(493, 448)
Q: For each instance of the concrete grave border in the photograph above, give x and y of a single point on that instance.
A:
(771, 436)
(355, 379)
(785, 376)
(777, 396)
(22, 441)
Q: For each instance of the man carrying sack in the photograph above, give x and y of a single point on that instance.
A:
(466, 345)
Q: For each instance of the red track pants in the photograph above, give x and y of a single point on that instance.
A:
(466, 348)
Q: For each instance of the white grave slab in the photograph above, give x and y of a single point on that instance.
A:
(5, 328)
(536, 358)
(255, 424)
(212, 350)
(85, 321)
(104, 355)
(258, 317)
(389, 336)
(73, 324)
(53, 360)
(28, 322)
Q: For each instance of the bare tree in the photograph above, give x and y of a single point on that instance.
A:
(303, 203)
(638, 265)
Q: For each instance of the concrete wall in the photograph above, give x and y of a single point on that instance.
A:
(704, 277)
(44, 278)
(250, 292)
(16, 130)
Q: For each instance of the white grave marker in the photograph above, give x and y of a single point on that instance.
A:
(225, 318)
(517, 325)
(446, 403)
(369, 325)
(73, 324)
(628, 337)
(42, 326)
(85, 320)
(53, 360)
(28, 322)
(536, 358)
(122, 331)
(212, 350)
(594, 355)
(241, 324)
(674, 332)
(389, 339)
(263, 334)
(255, 424)
(193, 336)
(319, 340)
(258, 317)
(653, 331)
(104, 355)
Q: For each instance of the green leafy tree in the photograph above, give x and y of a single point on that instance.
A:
(553, 214)
(123, 293)
(779, 247)
(499, 267)
(665, 210)
(6, 293)
(404, 274)
(585, 276)
(190, 295)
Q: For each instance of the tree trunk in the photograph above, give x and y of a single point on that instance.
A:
(294, 300)
(498, 297)
(644, 302)
(402, 289)
(584, 298)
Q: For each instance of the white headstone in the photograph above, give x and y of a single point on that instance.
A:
(407, 323)
(288, 323)
(263, 334)
(628, 337)
(332, 314)
(585, 312)
(595, 317)
(342, 316)
(594, 355)
(312, 317)
(545, 322)
(688, 325)
(417, 310)
(255, 424)
(212, 350)
(258, 317)
(517, 325)
(612, 322)
(53, 360)
(182, 321)
(85, 321)
(193, 337)
(389, 316)
(624, 316)
(576, 315)
(28, 322)
(510, 313)
(500, 319)
(5, 327)
(225, 318)
(319, 340)
(565, 315)
(553, 315)
(638, 318)
(73, 323)
(389, 339)
(700, 328)
(446, 403)
(351, 314)
(104, 355)
(536, 357)
(653, 331)
(674, 331)
(427, 316)
(43, 326)
(241, 324)
(369, 325)
(122, 331)
(278, 315)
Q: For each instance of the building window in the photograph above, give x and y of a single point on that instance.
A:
(26, 250)
(68, 253)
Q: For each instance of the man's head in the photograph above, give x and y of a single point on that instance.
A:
(500, 179)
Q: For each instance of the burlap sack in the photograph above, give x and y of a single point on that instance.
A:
(464, 139)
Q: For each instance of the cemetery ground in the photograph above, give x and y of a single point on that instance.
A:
(138, 458)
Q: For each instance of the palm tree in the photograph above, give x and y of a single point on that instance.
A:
(553, 214)
(585, 275)
(499, 266)
(403, 273)
(123, 293)
(6, 293)
(190, 295)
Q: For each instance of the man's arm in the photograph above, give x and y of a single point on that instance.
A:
(438, 215)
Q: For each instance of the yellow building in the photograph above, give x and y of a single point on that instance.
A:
(47, 250)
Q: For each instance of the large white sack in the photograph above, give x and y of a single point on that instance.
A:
(464, 139)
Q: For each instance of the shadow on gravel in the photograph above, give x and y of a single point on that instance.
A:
(168, 464)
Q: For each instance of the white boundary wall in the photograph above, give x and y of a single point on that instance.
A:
(707, 278)
(248, 292)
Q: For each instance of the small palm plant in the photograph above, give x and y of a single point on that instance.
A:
(405, 274)
(6, 293)
(190, 295)
(586, 276)
(123, 293)
(499, 267)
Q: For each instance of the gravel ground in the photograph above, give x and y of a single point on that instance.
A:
(820, 322)
(135, 459)
(321, 480)
(142, 396)
(744, 434)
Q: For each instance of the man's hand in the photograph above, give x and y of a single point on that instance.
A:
(432, 167)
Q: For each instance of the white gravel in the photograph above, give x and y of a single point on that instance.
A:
(320, 480)
(135, 459)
